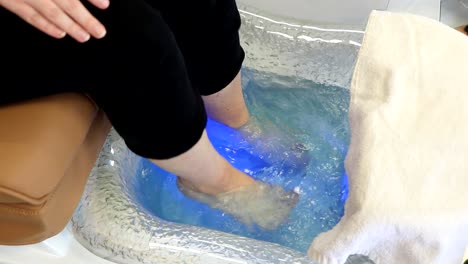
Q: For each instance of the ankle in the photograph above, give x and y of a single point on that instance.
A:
(238, 121)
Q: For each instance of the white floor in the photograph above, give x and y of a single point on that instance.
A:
(61, 249)
(64, 249)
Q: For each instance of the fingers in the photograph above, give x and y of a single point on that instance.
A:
(103, 4)
(82, 17)
(30, 15)
(57, 16)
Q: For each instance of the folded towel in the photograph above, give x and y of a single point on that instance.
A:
(408, 159)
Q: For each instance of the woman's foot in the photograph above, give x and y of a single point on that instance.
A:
(235, 193)
(256, 203)
(207, 177)
(275, 145)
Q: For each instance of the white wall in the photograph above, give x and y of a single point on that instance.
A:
(342, 11)
(454, 14)
(320, 11)
(427, 8)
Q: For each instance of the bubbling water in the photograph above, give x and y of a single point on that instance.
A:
(297, 138)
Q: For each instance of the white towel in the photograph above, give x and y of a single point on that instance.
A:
(408, 159)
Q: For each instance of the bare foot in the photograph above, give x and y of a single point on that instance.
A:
(257, 203)
(275, 145)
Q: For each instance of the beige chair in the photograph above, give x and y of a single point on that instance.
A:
(48, 147)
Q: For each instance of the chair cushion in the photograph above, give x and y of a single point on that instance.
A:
(47, 149)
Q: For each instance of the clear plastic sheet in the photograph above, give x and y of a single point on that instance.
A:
(110, 224)
(293, 48)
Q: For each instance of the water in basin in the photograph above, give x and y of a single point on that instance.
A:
(298, 138)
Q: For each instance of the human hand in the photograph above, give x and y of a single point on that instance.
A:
(59, 17)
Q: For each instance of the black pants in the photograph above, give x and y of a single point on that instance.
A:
(147, 74)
